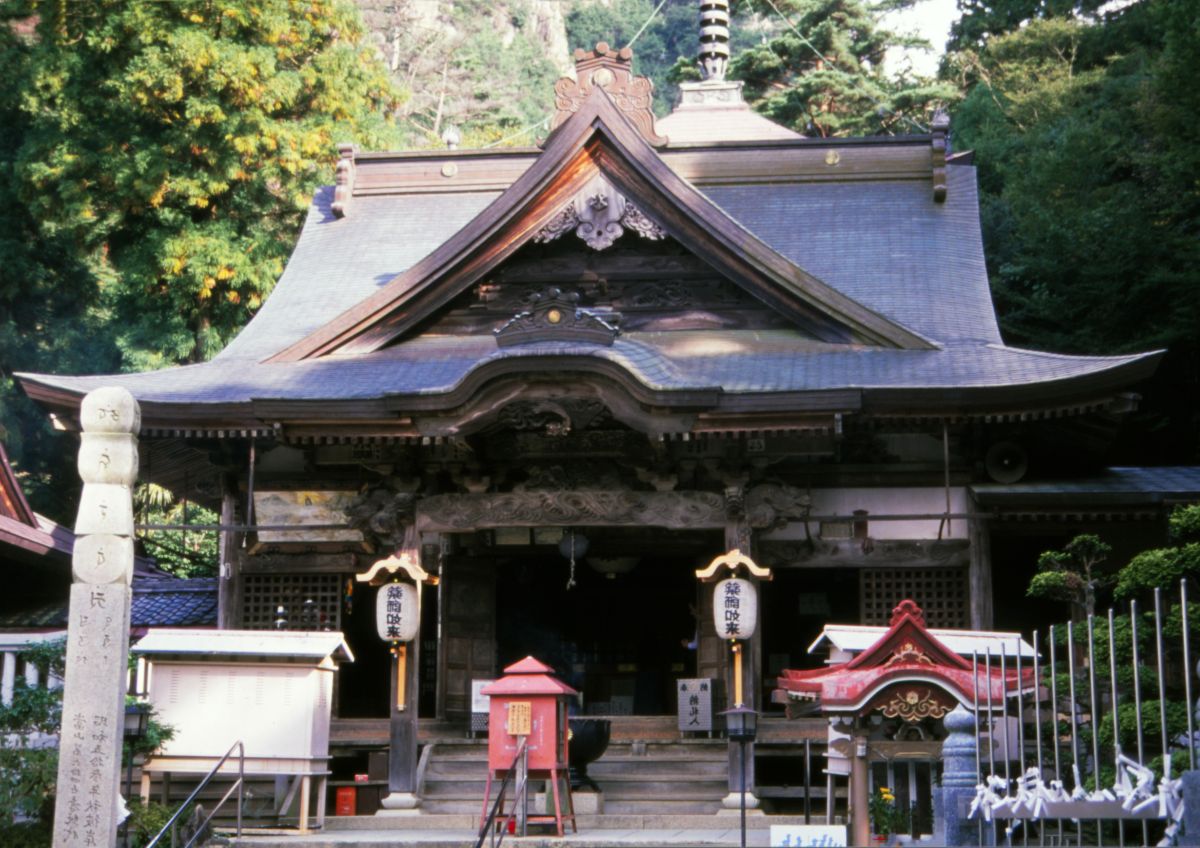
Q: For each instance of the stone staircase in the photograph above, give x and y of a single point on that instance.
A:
(637, 778)
(688, 777)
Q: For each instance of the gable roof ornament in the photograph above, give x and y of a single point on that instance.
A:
(556, 316)
(612, 71)
(599, 214)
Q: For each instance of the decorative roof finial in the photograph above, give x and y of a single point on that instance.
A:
(714, 39)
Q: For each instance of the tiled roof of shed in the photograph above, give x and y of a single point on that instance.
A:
(157, 602)
(1113, 485)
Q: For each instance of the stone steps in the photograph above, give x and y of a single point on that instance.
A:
(637, 777)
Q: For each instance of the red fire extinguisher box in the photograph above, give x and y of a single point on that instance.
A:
(528, 702)
(345, 801)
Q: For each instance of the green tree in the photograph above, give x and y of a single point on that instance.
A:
(1090, 217)
(174, 147)
(49, 316)
(820, 71)
(1164, 567)
(1072, 574)
(980, 19)
(184, 553)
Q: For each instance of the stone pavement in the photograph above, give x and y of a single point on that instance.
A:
(643, 838)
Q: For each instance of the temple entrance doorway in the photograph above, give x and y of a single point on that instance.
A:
(624, 632)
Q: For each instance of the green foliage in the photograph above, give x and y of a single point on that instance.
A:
(1070, 574)
(669, 42)
(155, 162)
(981, 19)
(1158, 567)
(29, 766)
(145, 821)
(1055, 585)
(34, 834)
(1086, 174)
(1164, 567)
(184, 553)
(821, 72)
(175, 146)
(1184, 524)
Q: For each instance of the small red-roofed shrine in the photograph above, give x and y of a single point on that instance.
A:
(529, 734)
(907, 673)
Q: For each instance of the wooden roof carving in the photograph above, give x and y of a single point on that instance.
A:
(612, 71)
(12, 500)
(599, 214)
(599, 139)
(556, 316)
(901, 674)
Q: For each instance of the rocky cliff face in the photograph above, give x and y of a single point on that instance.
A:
(543, 21)
(485, 67)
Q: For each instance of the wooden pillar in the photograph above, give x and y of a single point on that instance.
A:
(860, 791)
(738, 535)
(980, 573)
(402, 757)
(230, 577)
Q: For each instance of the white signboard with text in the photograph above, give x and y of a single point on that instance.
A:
(791, 835)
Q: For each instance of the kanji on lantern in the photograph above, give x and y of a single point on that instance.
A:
(397, 612)
(735, 608)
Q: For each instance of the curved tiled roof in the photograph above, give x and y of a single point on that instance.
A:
(735, 361)
(875, 237)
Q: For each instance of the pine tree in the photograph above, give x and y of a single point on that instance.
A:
(820, 71)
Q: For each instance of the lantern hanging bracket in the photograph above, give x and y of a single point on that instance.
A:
(733, 560)
(404, 562)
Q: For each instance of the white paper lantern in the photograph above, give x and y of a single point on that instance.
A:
(398, 612)
(735, 608)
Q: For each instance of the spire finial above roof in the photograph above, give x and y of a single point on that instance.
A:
(714, 39)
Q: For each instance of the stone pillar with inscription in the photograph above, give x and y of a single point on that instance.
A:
(89, 763)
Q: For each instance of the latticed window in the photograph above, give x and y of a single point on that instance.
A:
(291, 602)
(942, 593)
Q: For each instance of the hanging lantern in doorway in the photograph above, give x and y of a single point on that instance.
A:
(397, 612)
(735, 608)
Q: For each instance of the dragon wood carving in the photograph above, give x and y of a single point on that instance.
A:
(461, 513)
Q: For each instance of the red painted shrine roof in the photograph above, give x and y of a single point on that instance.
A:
(907, 653)
(528, 677)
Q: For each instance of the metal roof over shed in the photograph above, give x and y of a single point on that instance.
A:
(244, 645)
(855, 638)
